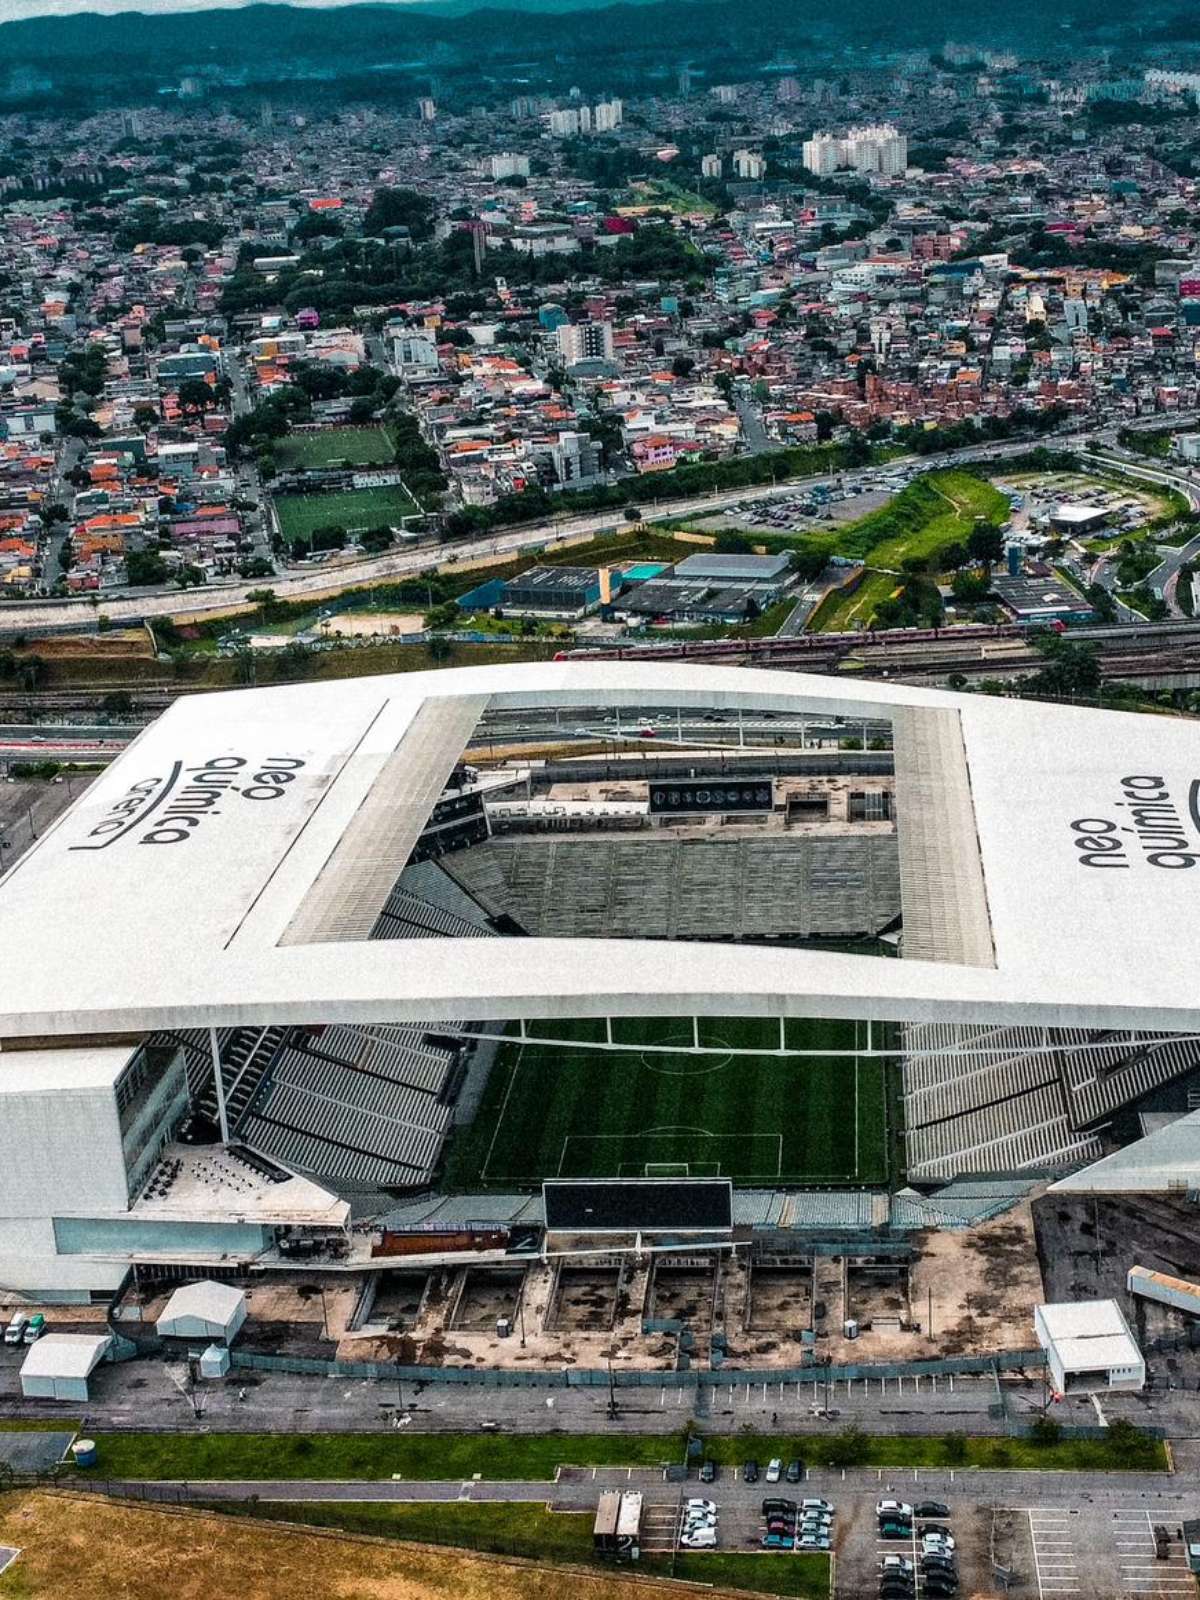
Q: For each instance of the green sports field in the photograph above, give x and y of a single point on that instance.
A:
(356, 447)
(578, 1111)
(353, 509)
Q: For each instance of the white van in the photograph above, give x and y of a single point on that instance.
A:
(15, 1331)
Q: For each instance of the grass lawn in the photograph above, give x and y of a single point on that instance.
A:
(964, 498)
(514, 1529)
(845, 610)
(534, 1457)
(374, 1455)
(355, 447)
(806, 1576)
(552, 1110)
(936, 1450)
(353, 509)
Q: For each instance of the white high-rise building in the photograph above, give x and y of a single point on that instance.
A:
(821, 154)
(565, 124)
(749, 164)
(878, 148)
(711, 166)
(427, 109)
(607, 115)
(508, 164)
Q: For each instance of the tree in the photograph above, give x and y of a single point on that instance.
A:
(985, 543)
(119, 703)
(1072, 667)
(145, 416)
(145, 567)
(195, 396)
(399, 208)
(1101, 602)
(682, 366)
(440, 649)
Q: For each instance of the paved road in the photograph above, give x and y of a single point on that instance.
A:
(579, 1487)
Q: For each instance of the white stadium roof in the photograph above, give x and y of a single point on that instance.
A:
(227, 868)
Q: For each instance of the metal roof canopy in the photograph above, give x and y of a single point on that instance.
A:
(194, 854)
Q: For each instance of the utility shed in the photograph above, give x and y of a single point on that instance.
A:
(1089, 1347)
(205, 1310)
(59, 1365)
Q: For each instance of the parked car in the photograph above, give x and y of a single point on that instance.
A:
(813, 1541)
(895, 1584)
(894, 1508)
(931, 1508)
(934, 1561)
(699, 1539)
(750, 1472)
(895, 1530)
(936, 1529)
(775, 1503)
(896, 1564)
(778, 1541)
(35, 1328)
(943, 1584)
(708, 1472)
(815, 1503)
(795, 1471)
(774, 1469)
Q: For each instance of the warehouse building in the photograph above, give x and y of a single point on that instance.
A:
(1089, 1348)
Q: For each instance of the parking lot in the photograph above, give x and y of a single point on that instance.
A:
(1103, 1553)
(1099, 1549)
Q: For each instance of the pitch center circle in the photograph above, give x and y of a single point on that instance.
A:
(686, 1066)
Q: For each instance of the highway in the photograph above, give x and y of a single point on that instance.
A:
(38, 615)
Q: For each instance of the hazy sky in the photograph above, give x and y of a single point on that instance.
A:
(20, 10)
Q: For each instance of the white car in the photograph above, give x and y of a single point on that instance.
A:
(816, 1505)
(701, 1505)
(937, 1541)
(893, 1508)
(774, 1469)
(699, 1539)
(896, 1564)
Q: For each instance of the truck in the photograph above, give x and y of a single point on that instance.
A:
(617, 1529)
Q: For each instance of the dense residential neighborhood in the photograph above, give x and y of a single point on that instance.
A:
(234, 340)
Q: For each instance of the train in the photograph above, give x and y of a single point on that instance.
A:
(802, 643)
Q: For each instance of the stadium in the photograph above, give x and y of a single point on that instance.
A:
(509, 959)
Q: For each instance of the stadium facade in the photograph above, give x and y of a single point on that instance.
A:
(244, 994)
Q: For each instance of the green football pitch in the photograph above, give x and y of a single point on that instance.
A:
(353, 509)
(576, 1111)
(357, 447)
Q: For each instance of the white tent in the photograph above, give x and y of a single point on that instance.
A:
(204, 1310)
(58, 1366)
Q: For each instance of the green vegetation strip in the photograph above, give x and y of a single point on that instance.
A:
(457, 1456)
(806, 1576)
